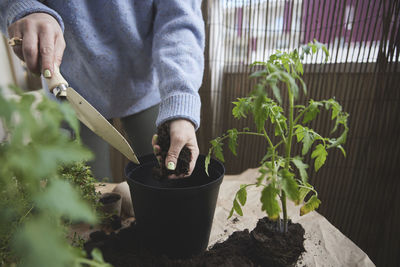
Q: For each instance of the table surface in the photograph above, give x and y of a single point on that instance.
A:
(325, 245)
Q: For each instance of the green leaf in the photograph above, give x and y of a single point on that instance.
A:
(312, 204)
(61, 198)
(302, 194)
(242, 107)
(97, 256)
(260, 112)
(263, 172)
(306, 136)
(233, 135)
(237, 208)
(259, 73)
(312, 112)
(289, 184)
(242, 194)
(320, 155)
(302, 167)
(40, 243)
(277, 93)
(269, 202)
(231, 213)
(217, 149)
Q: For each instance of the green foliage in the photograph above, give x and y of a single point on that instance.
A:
(35, 202)
(80, 176)
(269, 201)
(284, 176)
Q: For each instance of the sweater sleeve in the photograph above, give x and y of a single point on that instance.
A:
(13, 10)
(178, 56)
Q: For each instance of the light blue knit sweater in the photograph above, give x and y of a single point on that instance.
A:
(125, 56)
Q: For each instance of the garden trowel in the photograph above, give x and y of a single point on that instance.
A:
(89, 116)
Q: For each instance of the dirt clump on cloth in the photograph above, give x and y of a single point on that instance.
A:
(263, 246)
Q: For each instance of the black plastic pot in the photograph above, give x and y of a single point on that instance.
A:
(174, 217)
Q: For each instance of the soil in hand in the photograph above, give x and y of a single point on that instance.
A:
(263, 246)
(185, 155)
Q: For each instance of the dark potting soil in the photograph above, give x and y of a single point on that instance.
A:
(263, 246)
(182, 166)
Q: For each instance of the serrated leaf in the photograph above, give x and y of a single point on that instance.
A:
(237, 208)
(269, 202)
(233, 135)
(277, 93)
(302, 167)
(312, 204)
(217, 149)
(289, 184)
(306, 136)
(242, 194)
(260, 112)
(311, 113)
(241, 107)
(320, 155)
(302, 194)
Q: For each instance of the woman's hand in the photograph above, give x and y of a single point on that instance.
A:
(182, 132)
(43, 42)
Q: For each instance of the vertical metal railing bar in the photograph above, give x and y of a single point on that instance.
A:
(321, 92)
(394, 27)
(203, 133)
(273, 30)
(359, 163)
(340, 26)
(381, 108)
(266, 30)
(311, 36)
(348, 92)
(365, 190)
(358, 102)
(217, 100)
(255, 142)
(289, 23)
(286, 27)
(363, 150)
(332, 65)
(231, 60)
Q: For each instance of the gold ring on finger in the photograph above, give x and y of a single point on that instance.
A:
(15, 41)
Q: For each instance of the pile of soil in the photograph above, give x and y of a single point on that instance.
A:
(261, 247)
(163, 140)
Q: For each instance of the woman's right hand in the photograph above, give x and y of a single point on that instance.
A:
(43, 42)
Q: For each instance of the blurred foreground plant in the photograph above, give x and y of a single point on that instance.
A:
(34, 201)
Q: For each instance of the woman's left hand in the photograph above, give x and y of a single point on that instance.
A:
(182, 132)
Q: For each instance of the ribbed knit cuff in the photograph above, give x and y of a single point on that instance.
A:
(182, 106)
(20, 9)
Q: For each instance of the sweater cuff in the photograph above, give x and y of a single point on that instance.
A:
(21, 9)
(182, 106)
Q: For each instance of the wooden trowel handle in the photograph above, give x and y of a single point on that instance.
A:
(57, 82)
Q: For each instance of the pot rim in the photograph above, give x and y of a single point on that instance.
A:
(214, 182)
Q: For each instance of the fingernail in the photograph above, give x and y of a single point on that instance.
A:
(47, 73)
(155, 149)
(155, 138)
(171, 166)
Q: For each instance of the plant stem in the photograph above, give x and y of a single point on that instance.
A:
(287, 163)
